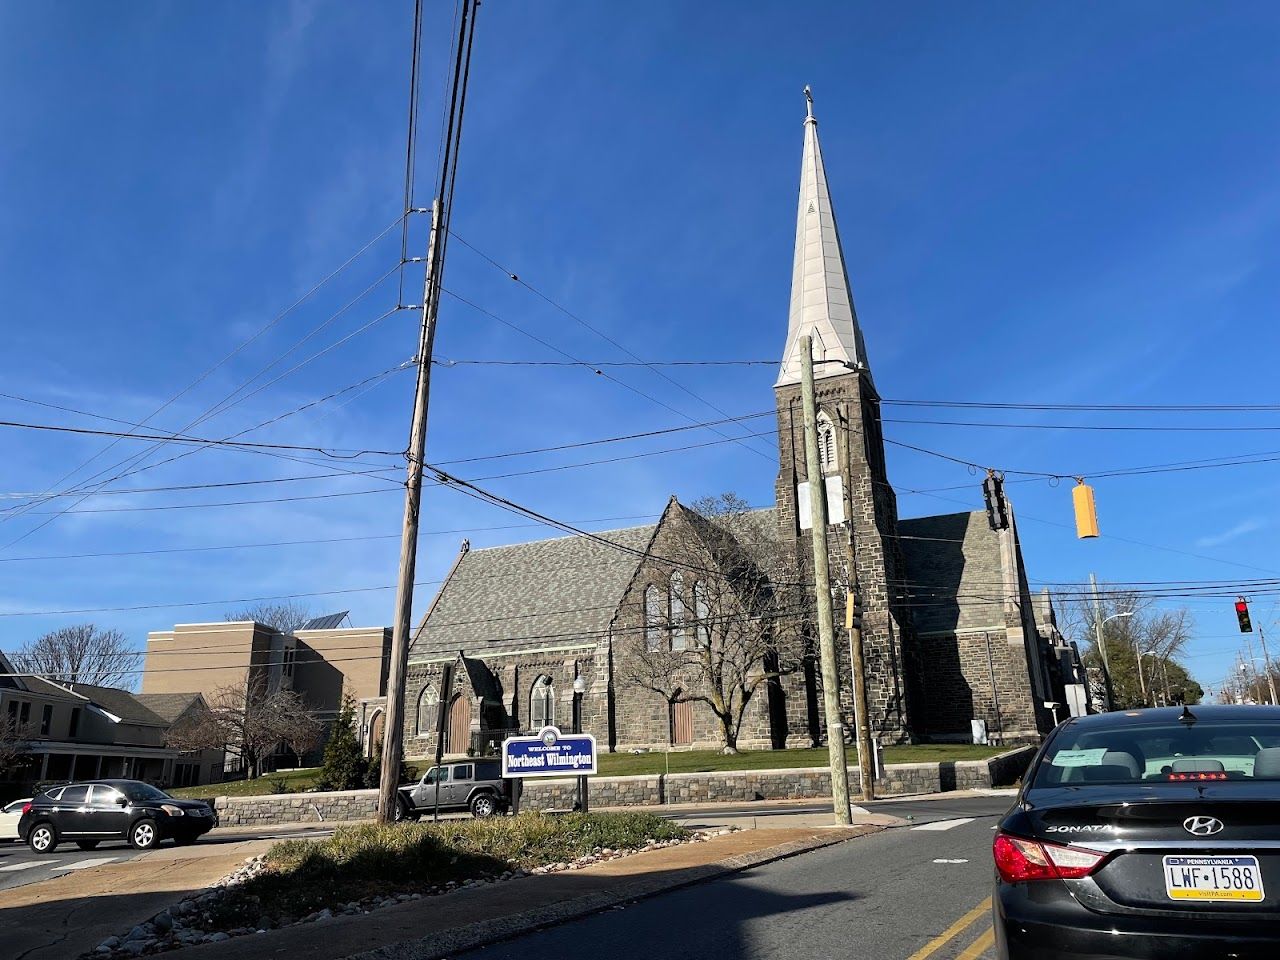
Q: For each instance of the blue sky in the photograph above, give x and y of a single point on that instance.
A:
(1039, 203)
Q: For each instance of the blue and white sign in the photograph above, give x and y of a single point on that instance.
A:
(549, 754)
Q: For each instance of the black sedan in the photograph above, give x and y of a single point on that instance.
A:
(89, 813)
(1151, 833)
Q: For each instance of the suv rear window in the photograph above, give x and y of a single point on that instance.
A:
(1203, 751)
(488, 770)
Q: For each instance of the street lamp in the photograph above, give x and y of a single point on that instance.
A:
(579, 688)
(1102, 649)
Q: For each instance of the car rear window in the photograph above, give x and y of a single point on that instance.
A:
(1175, 752)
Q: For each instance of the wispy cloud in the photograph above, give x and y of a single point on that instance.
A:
(1233, 533)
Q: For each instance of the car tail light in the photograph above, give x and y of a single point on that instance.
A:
(1198, 776)
(26, 808)
(1018, 860)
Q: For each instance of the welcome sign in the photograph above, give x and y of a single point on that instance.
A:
(549, 754)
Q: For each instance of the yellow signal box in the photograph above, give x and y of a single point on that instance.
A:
(1086, 510)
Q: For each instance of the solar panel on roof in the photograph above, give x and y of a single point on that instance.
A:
(329, 621)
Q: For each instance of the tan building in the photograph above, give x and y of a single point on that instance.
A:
(319, 662)
(78, 731)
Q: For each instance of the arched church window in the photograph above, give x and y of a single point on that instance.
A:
(542, 704)
(675, 600)
(702, 615)
(652, 619)
(428, 700)
(827, 456)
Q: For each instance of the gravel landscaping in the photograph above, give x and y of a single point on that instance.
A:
(369, 867)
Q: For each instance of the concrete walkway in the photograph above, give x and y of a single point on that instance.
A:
(69, 915)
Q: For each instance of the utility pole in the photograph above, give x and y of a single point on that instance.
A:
(853, 622)
(1142, 685)
(1102, 643)
(822, 588)
(1266, 662)
(393, 741)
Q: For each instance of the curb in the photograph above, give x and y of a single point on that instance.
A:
(488, 932)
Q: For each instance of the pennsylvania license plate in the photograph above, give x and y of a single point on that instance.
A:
(1213, 879)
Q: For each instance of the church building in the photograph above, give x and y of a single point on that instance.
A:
(699, 630)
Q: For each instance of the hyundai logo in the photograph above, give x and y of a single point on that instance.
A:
(1202, 826)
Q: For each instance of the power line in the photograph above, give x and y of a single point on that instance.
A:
(444, 362)
(596, 330)
(235, 352)
(291, 543)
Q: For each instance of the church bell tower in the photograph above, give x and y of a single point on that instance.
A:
(860, 500)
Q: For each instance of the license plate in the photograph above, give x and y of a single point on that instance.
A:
(1213, 879)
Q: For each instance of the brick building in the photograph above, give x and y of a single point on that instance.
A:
(950, 627)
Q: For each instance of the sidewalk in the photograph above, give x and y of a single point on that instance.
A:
(69, 915)
(437, 927)
(62, 918)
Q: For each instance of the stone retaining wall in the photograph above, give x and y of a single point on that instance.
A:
(656, 790)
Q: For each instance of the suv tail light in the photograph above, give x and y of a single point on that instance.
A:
(1018, 860)
(26, 808)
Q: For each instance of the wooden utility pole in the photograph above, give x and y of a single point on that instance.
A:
(822, 589)
(1107, 690)
(853, 623)
(1266, 662)
(393, 739)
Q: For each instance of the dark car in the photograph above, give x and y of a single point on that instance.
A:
(475, 785)
(88, 813)
(1151, 833)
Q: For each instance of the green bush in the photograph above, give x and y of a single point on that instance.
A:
(344, 764)
(374, 859)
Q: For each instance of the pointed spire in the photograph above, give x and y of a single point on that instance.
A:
(821, 300)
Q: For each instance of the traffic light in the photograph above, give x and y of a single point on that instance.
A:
(1242, 615)
(993, 494)
(1086, 511)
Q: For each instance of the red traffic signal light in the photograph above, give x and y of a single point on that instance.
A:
(1242, 615)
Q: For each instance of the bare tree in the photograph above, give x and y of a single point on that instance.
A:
(13, 746)
(302, 734)
(1157, 637)
(249, 721)
(729, 619)
(81, 654)
(285, 617)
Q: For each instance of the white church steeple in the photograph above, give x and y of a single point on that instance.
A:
(821, 300)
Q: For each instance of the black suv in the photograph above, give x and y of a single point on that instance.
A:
(474, 785)
(88, 813)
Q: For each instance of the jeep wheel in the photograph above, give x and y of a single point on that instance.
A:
(483, 805)
(403, 811)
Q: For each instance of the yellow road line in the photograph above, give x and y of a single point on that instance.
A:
(979, 946)
(932, 947)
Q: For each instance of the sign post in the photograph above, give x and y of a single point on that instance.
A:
(549, 754)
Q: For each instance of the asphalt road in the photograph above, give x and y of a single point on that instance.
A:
(915, 892)
(19, 866)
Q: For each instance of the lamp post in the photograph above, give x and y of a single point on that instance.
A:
(579, 688)
(1102, 650)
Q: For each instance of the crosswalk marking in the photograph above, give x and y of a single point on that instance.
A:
(945, 824)
(20, 866)
(84, 864)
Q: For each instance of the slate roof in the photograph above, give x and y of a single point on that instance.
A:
(531, 595)
(168, 706)
(953, 571)
(120, 703)
(48, 688)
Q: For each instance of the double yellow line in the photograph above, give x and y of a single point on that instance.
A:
(976, 949)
